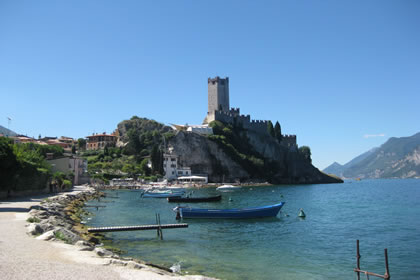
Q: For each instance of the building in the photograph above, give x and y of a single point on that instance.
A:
(202, 129)
(172, 169)
(99, 141)
(219, 110)
(75, 165)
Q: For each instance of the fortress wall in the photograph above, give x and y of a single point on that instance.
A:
(245, 120)
(289, 140)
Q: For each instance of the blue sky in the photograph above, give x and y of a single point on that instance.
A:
(344, 76)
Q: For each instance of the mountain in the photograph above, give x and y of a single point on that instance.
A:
(396, 158)
(7, 132)
(335, 168)
(338, 169)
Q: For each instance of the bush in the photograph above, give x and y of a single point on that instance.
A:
(66, 184)
(33, 220)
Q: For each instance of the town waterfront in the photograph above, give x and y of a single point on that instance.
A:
(380, 213)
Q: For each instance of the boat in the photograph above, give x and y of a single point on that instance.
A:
(227, 187)
(162, 194)
(195, 199)
(183, 212)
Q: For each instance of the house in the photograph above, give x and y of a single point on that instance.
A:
(75, 165)
(172, 169)
(99, 141)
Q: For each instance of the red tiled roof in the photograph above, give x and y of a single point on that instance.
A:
(100, 135)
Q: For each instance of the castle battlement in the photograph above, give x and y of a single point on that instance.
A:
(219, 110)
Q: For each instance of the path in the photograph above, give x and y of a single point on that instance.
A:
(24, 257)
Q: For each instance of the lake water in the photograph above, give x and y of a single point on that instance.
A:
(380, 213)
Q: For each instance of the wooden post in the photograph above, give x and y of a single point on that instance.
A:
(358, 259)
(157, 230)
(160, 228)
(387, 276)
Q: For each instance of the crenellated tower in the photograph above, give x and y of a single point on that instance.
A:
(218, 94)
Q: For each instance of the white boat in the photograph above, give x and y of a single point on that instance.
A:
(227, 187)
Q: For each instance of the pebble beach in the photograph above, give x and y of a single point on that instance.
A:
(27, 255)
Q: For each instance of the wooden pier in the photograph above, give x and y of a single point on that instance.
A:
(140, 227)
(158, 227)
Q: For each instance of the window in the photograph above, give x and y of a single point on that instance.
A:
(173, 159)
(179, 172)
(173, 165)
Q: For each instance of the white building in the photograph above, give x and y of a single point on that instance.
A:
(171, 168)
(170, 165)
(200, 129)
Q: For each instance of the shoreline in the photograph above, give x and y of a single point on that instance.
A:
(52, 248)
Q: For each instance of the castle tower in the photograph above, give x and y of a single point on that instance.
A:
(218, 92)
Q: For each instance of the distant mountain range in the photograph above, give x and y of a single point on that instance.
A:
(396, 158)
(7, 132)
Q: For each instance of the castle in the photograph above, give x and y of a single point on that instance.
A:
(219, 109)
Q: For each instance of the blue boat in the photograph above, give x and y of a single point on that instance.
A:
(245, 213)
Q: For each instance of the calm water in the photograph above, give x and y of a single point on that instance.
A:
(380, 213)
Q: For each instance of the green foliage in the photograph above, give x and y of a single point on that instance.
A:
(277, 131)
(156, 157)
(305, 151)
(81, 144)
(144, 168)
(33, 220)
(235, 143)
(23, 166)
(67, 184)
(270, 128)
(59, 235)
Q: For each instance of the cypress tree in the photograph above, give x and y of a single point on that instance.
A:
(277, 131)
(270, 128)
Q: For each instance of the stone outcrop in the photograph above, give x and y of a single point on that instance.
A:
(204, 156)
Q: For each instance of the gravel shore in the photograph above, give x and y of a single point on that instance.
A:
(24, 257)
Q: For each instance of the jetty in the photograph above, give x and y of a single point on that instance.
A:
(158, 227)
(139, 227)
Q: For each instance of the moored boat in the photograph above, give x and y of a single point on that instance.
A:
(195, 199)
(162, 194)
(245, 213)
(227, 187)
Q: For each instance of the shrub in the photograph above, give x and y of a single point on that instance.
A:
(33, 220)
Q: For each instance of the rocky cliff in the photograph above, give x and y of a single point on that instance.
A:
(205, 156)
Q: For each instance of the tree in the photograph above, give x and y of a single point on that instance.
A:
(277, 131)
(81, 144)
(157, 162)
(270, 128)
(305, 151)
(73, 149)
(9, 164)
(145, 170)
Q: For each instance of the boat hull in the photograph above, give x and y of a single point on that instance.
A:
(195, 199)
(247, 213)
(161, 195)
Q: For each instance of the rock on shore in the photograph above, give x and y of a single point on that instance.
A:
(53, 221)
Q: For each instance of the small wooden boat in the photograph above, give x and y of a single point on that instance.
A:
(183, 212)
(195, 199)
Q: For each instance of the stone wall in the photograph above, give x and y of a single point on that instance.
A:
(218, 94)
